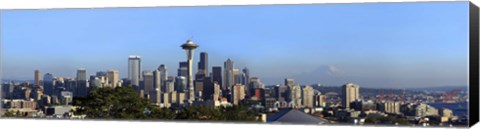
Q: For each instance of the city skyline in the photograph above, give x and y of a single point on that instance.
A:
(343, 60)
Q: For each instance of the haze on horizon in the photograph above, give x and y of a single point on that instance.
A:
(373, 45)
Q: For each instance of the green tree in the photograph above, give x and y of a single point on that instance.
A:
(237, 113)
(9, 114)
(118, 103)
(125, 103)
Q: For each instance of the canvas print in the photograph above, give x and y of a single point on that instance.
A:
(380, 64)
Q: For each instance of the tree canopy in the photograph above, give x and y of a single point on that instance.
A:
(119, 103)
(125, 103)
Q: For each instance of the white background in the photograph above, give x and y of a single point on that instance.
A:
(87, 124)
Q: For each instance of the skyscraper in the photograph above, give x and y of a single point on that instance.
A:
(289, 82)
(308, 96)
(147, 82)
(170, 84)
(163, 77)
(82, 83)
(134, 68)
(37, 77)
(181, 84)
(350, 93)
(255, 83)
(238, 93)
(246, 75)
(216, 91)
(228, 74)
(217, 76)
(282, 93)
(296, 95)
(199, 85)
(157, 80)
(71, 85)
(48, 83)
(166, 99)
(182, 69)
(112, 76)
(81, 74)
(189, 47)
(202, 65)
(201, 74)
(236, 76)
(156, 97)
(208, 89)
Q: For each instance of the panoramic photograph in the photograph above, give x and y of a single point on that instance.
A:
(370, 64)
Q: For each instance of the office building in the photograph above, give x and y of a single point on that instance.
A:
(208, 88)
(228, 74)
(182, 69)
(289, 82)
(307, 97)
(217, 76)
(422, 110)
(134, 69)
(173, 97)
(101, 74)
(296, 96)
(320, 100)
(163, 77)
(170, 84)
(71, 86)
(199, 84)
(350, 93)
(82, 83)
(391, 107)
(156, 97)
(236, 76)
(255, 83)
(112, 76)
(363, 105)
(238, 93)
(216, 91)
(282, 93)
(181, 84)
(48, 84)
(157, 80)
(246, 76)
(37, 77)
(148, 81)
(202, 66)
(165, 100)
(81, 74)
(258, 94)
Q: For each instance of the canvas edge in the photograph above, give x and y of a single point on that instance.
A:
(473, 64)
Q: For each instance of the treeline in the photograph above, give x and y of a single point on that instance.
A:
(125, 103)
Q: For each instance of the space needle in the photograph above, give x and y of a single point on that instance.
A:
(189, 47)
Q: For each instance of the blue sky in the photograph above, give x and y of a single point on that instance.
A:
(374, 45)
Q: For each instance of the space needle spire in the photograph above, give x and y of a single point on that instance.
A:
(189, 47)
